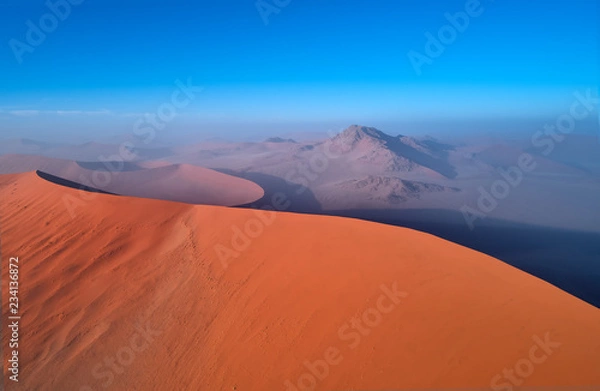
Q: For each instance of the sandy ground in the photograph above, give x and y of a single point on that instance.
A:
(136, 294)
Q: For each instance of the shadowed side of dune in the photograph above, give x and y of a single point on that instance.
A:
(278, 188)
(71, 184)
(565, 258)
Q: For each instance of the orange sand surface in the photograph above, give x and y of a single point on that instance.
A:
(139, 294)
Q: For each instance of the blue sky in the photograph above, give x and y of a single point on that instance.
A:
(315, 61)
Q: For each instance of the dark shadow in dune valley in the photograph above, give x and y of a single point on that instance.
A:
(567, 259)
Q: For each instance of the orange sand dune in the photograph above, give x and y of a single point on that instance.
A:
(131, 294)
(153, 179)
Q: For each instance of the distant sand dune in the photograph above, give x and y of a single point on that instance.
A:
(64, 182)
(153, 179)
(131, 295)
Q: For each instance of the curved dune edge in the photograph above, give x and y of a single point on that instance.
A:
(120, 275)
(155, 179)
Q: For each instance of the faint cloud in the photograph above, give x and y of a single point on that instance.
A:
(81, 112)
(135, 114)
(33, 113)
(24, 113)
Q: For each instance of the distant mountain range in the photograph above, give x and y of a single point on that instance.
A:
(365, 168)
(396, 154)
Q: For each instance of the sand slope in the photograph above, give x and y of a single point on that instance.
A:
(152, 179)
(132, 295)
